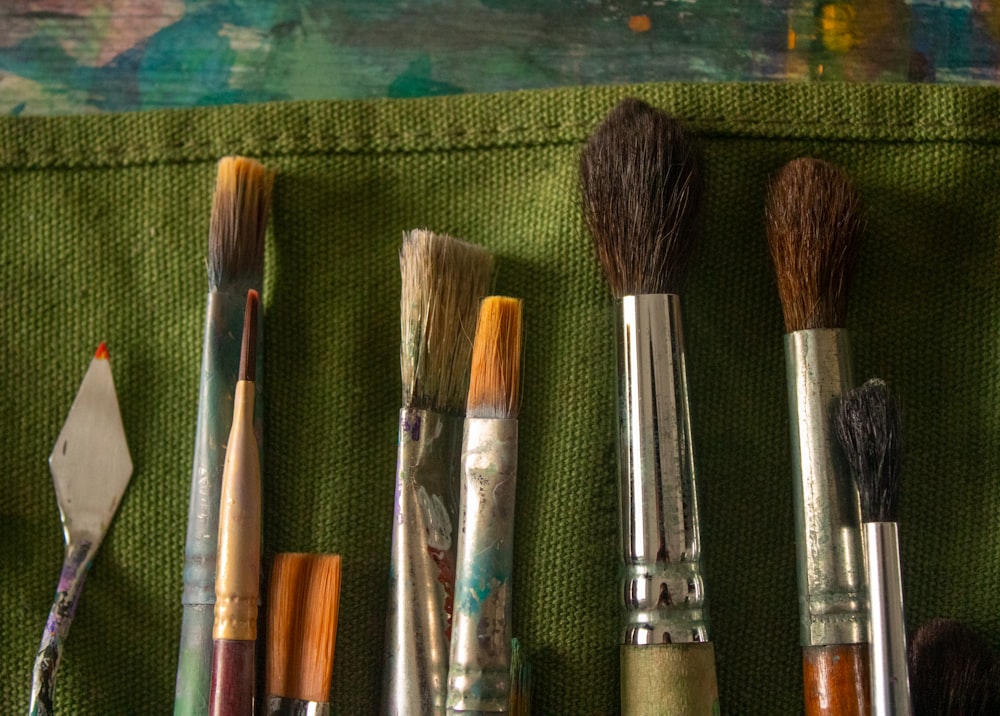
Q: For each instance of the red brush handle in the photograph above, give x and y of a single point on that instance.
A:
(836, 680)
(233, 672)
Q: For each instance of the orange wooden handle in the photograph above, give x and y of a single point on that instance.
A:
(836, 680)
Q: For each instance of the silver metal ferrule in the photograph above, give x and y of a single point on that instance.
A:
(281, 706)
(832, 595)
(422, 571)
(889, 676)
(479, 671)
(662, 585)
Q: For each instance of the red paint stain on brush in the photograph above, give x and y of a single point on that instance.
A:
(102, 352)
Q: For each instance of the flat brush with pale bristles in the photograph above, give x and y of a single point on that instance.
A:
(235, 265)
(479, 664)
(303, 606)
(953, 671)
(813, 231)
(237, 577)
(641, 193)
(443, 280)
(868, 425)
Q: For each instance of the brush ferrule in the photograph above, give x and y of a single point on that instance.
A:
(282, 706)
(422, 571)
(479, 670)
(890, 681)
(827, 511)
(237, 578)
(662, 584)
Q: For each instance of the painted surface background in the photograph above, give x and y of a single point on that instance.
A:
(72, 56)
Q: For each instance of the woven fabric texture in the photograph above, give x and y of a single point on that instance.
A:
(103, 235)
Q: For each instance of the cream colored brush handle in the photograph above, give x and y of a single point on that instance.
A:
(674, 679)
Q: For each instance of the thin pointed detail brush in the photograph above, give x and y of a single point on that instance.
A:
(235, 265)
(443, 280)
(641, 192)
(480, 654)
(868, 426)
(232, 690)
(813, 231)
(953, 671)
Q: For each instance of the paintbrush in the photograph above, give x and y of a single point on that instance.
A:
(237, 575)
(304, 600)
(868, 426)
(235, 265)
(91, 467)
(443, 280)
(641, 192)
(520, 681)
(813, 231)
(953, 671)
(479, 665)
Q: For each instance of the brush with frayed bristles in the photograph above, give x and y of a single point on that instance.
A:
(480, 654)
(304, 604)
(443, 281)
(641, 193)
(953, 671)
(813, 226)
(237, 227)
(868, 426)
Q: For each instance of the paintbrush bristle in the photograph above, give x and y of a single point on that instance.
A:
(495, 378)
(814, 225)
(868, 426)
(953, 671)
(443, 281)
(304, 602)
(641, 192)
(248, 351)
(240, 207)
(520, 681)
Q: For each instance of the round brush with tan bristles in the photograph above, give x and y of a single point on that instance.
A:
(304, 600)
(479, 665)
(813, 231)
(443, 281)
(641, 193)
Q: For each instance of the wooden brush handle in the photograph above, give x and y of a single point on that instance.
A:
(233, 677)
(836, 680)
(662, 679)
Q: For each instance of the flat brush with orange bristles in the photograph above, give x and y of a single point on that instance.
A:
(479, 667)
(304, 601)
(813, 231)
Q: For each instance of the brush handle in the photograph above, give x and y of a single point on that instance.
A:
(836, 680)
(281, 706)
(422, 571)
(479, 667)
(663, 588)
(669, 680)
(224, 315)
(234, 671)
(78, 557)
(890, 684)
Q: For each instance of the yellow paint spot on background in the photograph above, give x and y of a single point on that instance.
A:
(639, 23)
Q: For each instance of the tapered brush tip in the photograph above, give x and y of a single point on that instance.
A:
(240, 208)
(953, 671)
(248, 351)
(304, 600)
(868, 426)
(443, 281)
(495, 378)
(641, 192)
(813, 224)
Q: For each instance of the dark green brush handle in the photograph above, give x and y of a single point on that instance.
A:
(233, 675)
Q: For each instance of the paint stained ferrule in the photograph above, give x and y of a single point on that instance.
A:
(479, 670)
(889, 671)
(832, 591)
(422, 574)
(663, 592)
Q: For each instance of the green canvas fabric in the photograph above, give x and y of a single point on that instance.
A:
(103, 234)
